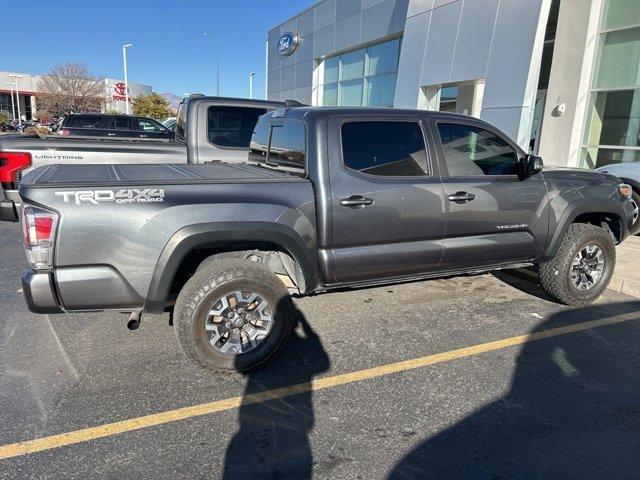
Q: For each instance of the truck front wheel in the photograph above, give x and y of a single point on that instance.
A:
(634, 229)
(232, 315)
(582, 268)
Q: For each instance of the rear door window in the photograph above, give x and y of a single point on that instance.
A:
(122, 123)
(386, 149)
(86, 121)
(148, 125)
(232, 126)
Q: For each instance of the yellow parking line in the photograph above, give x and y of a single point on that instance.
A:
(116, 428)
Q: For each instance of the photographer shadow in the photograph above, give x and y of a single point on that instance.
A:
(273, 438)
(572, 410)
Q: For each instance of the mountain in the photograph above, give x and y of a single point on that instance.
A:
(172, 98)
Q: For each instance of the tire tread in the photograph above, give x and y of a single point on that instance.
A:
(550, 272)
(196, 289)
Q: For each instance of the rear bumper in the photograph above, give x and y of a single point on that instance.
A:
(9, 203)
(72, 289)
(39, 293)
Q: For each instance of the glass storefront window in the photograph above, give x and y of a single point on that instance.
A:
(612, 133)
(366, 76)
(383, 58)
(615, 118)
(448, 99)
(330, 95)
(619, 59)
(621, 13)
(352, 65)
(331, 67)
(599, 157)
(381, 90)
(351, 92)
(5, 104)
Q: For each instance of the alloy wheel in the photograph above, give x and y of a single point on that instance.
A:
(587, 267)
(238, 322)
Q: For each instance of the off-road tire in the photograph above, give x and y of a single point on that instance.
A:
(555, 275)
(209, 283)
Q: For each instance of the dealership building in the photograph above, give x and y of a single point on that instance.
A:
(561, 77)
(113, 101)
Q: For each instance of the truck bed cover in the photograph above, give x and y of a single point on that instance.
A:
(165, 174)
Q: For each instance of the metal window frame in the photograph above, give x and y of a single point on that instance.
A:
(365, 77)
(595, 69)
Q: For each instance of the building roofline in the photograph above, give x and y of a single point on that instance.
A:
(298, 14)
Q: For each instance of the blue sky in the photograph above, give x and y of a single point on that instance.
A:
(170, 51)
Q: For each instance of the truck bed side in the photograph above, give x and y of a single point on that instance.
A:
(142, 217)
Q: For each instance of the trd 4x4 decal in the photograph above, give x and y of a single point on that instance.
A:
(127, 195)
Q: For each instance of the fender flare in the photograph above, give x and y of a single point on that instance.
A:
(577, 208)
(207, 235)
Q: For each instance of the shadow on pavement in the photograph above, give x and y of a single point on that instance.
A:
(573, 411)
(273, 439)
(525, 280)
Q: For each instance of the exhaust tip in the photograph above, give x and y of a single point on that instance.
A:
(134, 321)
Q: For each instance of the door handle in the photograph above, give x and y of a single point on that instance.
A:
(356, 201)
(461, 197)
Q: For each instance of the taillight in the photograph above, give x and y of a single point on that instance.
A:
(11, 163)
(64, 132)
(38, 232)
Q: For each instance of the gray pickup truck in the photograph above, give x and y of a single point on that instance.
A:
(209, 128)
(329, 198)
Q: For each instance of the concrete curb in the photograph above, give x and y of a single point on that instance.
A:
(626, 278)
(628, 287)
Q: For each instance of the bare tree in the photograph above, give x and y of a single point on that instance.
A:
(70, 87)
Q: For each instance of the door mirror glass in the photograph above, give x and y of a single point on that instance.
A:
(532, 164)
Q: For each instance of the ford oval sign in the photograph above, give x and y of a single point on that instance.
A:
(287, 44)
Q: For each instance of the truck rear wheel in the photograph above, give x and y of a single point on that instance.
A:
(232, 315)
(582, 268)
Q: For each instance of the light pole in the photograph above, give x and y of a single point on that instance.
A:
(207, 34)
(13, 107)
(126, 80)
(18, 97)
(251, 84)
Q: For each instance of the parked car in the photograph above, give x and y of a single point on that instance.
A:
(330, 198)
(171, 123)
(209, 128)
(628, 172)
(106, 125)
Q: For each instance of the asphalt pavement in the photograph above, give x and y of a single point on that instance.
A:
(469, 377)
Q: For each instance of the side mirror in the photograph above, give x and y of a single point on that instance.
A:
(531, 164)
